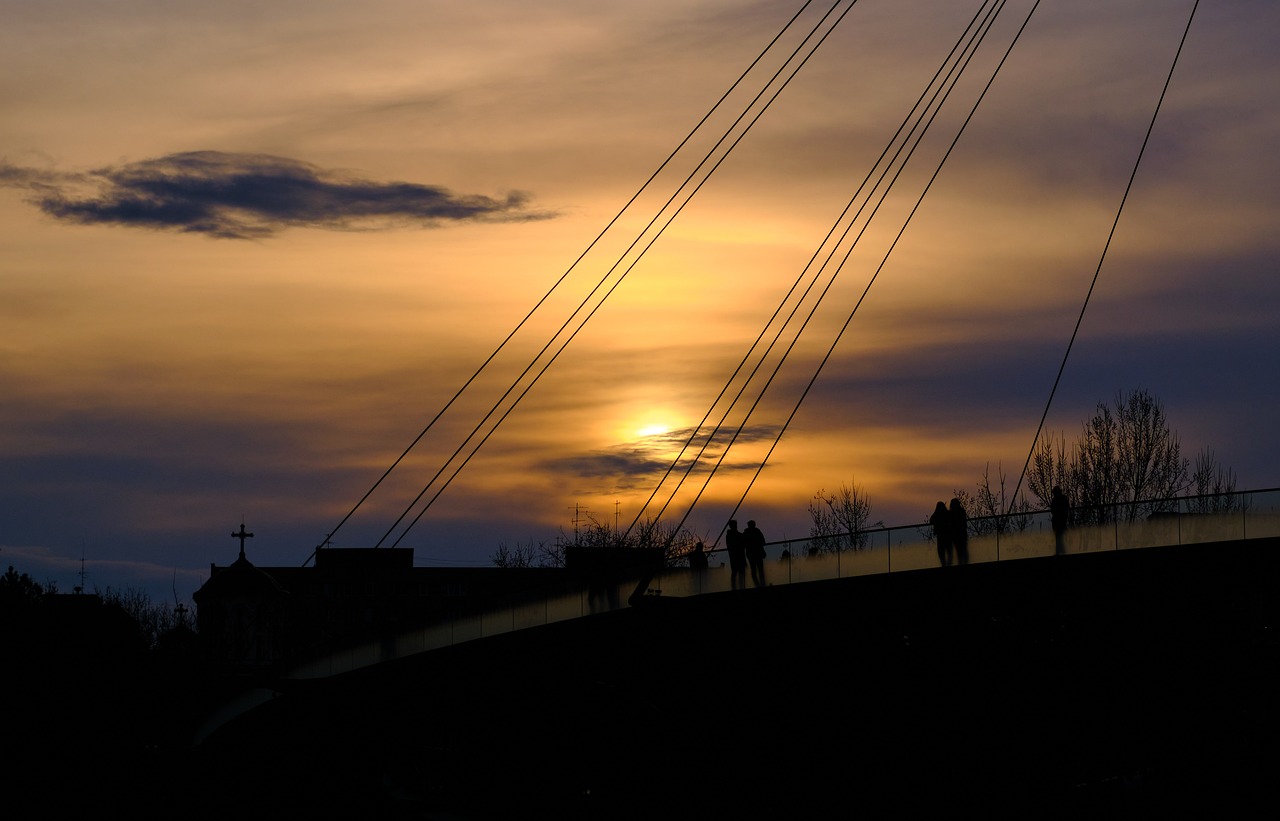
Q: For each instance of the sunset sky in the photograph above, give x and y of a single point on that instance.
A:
(248, 250)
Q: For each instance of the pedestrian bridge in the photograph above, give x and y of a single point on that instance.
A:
(1230, 517)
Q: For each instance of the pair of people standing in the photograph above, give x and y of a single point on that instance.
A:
(951, 529)
(745, 548)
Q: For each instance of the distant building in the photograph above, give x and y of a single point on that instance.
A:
(253, 617)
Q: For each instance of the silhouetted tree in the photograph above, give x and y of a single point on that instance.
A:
(20, 590)
(839, 520)
(1127, 462)
(989, 508)
(1212, 485)
(676, 542)
(527, 554)
(154, 619)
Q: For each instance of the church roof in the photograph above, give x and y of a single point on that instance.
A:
(240, 579)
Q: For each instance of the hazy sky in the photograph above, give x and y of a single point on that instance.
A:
(248, 250)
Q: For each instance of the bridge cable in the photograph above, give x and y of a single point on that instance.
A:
(1123, 199)
(562, 277)
(839, 220)
(603, 280)
(870, 283)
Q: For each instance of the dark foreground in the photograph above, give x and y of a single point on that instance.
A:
(1126, 684)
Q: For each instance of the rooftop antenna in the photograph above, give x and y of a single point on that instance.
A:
(578, 510)
(179, 609)
(80, 588)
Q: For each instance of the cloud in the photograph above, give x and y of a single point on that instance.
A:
(638, 464)
(250, 196)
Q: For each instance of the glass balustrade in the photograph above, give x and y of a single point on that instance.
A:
(1178, 521)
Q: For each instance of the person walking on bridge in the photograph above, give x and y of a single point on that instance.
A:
(941, 521)
(698, 564)
(754, 539)
(733, 545)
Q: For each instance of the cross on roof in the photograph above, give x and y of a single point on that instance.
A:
(242, 535)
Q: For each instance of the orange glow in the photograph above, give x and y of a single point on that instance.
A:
(279, 375)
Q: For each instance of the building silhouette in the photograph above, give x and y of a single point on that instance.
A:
(254, 617)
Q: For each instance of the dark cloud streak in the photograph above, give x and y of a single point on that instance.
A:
(634, 464)
(250, 196)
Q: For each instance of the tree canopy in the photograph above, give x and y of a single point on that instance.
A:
(839, 519)
(1126, 463)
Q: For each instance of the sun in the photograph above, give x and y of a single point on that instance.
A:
(652, 429)
(644, 422)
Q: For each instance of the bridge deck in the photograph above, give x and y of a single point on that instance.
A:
(887, 550)
(1113, 680)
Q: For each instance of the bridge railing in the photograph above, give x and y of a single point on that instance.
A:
(1175, 521)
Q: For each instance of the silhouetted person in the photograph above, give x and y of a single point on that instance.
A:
(960, 531)
(755, 552)
(941, 521)
(698, 558)
(1059, 513)
(698, 564)
(736, 548)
